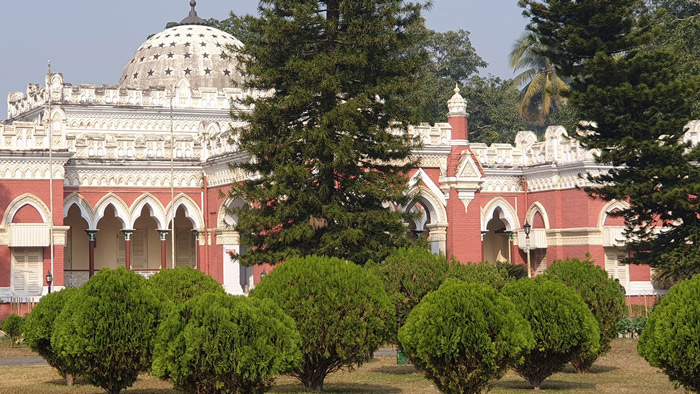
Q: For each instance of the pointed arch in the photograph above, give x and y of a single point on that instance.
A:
(120, 209)
(609, 207)
(21, 201)
(224, 219)
(506, 213)
(537, 207)
(86, 210)
(192, 210)
(155, 207)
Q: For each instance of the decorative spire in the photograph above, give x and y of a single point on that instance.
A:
(192, 18)
(457, 104)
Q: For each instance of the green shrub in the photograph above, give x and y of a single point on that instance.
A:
(671, 339)
(603, 296)
(341, 311)
(184, 283)
(217, 343)
(12, 327)
(408, 275)
(465, 335)
(561, 324)
(494, 275)
(39, 327)
(105, 332)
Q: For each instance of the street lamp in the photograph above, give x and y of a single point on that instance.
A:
(49, 280)
(527, 228)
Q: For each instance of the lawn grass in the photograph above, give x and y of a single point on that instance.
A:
(620, 371)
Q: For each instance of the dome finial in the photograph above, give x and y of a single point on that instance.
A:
(192, 18)
(456, 90)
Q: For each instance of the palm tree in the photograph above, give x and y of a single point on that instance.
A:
(542, 87)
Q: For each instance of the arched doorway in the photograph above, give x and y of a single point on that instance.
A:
(496, 239)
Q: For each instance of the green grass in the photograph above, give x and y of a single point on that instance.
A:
(620, 371)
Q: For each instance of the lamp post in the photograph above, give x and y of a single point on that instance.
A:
(527, 227)
(49, 280)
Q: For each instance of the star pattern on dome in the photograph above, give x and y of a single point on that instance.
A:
(148, 68)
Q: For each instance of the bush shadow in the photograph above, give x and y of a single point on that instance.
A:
(339, 388)
(595, 369)
(549, 384)
(395, 369)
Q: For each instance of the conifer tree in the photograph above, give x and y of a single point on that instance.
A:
(636, 99)
(327, 142)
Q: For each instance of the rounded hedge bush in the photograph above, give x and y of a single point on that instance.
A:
(603, 296)
(465, 335)
(671, 338)
(105, 332)
(218, 343)
(39, 327)
(493, 275)
(341, 311)
(184, 283)
(408, 274)
(12, 327)
(561, 324)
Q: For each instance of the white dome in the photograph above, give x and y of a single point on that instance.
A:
(201, 54)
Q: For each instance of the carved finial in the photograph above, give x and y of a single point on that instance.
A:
(456, 86)
(457, 104)
(192, 18)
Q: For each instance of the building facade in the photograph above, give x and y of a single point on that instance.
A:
(134, 175)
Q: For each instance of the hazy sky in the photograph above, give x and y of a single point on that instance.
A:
(90, 41)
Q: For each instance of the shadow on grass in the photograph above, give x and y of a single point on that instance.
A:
(395, 369)
(340, 388)
(549, 384)
(595, 369)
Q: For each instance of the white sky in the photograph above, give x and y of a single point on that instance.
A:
(89, 41)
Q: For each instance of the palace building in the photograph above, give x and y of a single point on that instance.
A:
(132, 175)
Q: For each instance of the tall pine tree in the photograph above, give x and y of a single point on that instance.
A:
(328, 142)
(637, 98)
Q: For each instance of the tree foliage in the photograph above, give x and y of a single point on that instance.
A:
(12, 327)
(636, 96)
(452, 60)
(491, 274)
(493, 110)
(408, 274)
(217, 343)
(105, 332)
(39, 327)
(184, 283)
(603, 296)
(543, 89)
(561, 324)
(671, 338)
(324, 141)
(341, 311)
(465, 335)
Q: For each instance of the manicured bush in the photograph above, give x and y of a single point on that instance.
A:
(105, 332)
(39, 327)
(671, 339)
(465, 335)
(341, 311)
(218, 343)
(493, 275)
(12, 327)
(408, 275)
(603, 296)
(561, 324)
(184, 283)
